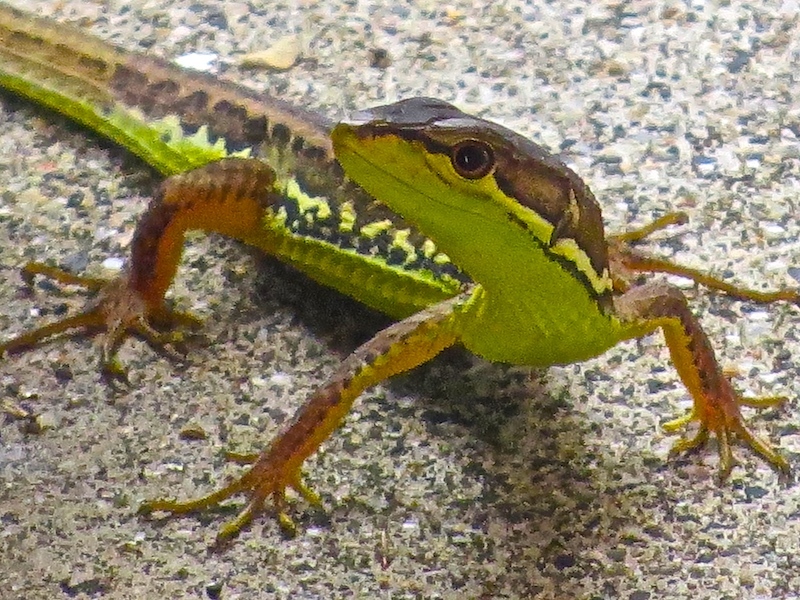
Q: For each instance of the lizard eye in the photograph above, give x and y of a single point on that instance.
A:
(472, 159)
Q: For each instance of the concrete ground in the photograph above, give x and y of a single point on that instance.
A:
(464, 479)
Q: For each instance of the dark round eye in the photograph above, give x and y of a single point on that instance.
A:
(472, 159)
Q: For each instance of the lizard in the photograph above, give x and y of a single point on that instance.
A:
(461, 229)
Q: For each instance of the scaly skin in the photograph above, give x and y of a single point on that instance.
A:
(479, 235)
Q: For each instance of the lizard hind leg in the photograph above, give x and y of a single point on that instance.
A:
(640, 233)
(228, 196)
(627, 260)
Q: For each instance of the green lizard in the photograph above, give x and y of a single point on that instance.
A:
(480, 237)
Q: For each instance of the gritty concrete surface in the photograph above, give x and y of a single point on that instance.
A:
(464, 480)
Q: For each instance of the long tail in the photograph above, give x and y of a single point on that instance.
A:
(173, 119)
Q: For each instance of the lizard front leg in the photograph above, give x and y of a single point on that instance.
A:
(716, 404)
(228, 197)
(398, 348)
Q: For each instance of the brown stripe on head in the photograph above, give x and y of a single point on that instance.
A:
(556, 193)
(523, 170)
(537, 180)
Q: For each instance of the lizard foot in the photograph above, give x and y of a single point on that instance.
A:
(263, 481)
(627, 261)
(724, 420)
(716, 405)
(117, 312)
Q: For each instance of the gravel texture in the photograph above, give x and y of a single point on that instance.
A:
(464, 479)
